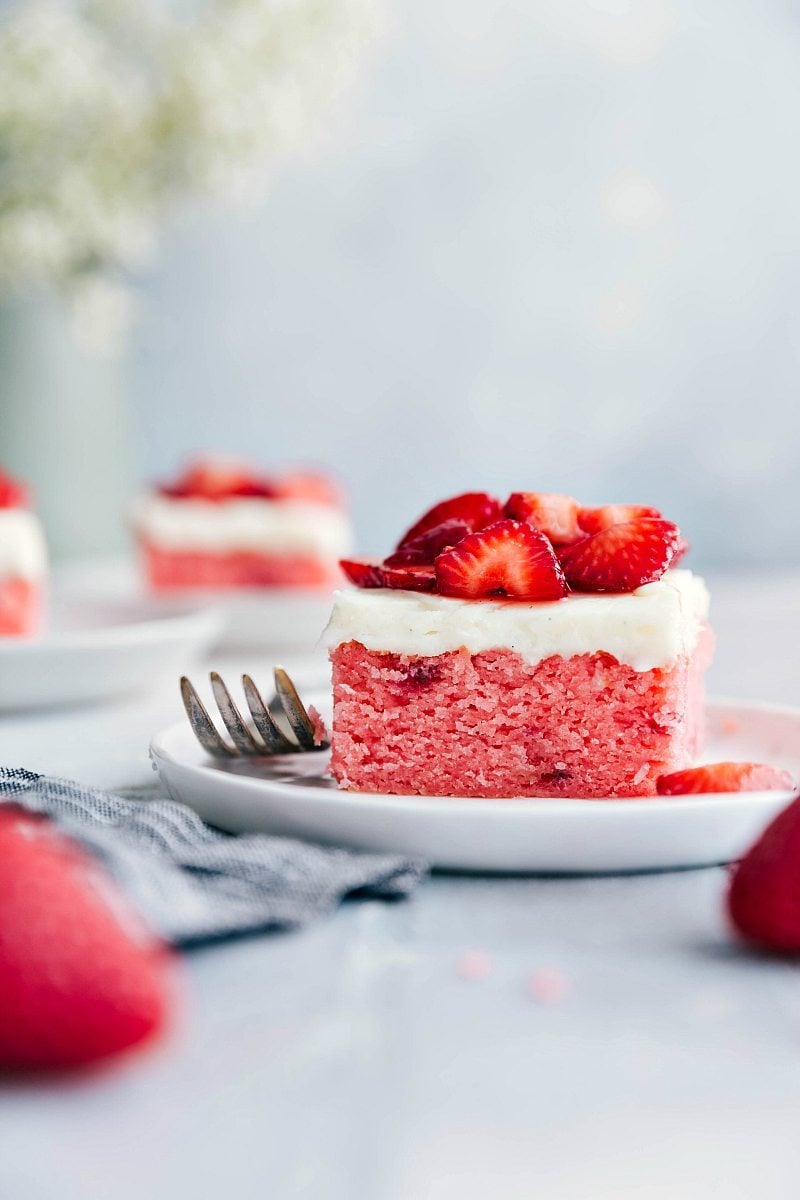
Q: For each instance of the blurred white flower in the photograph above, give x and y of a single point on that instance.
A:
(110, 113)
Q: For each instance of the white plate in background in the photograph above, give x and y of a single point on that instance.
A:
(274, 621)
(293, 795)
(101, 649)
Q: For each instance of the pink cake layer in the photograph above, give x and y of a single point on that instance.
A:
(168, 570)
(20, 606)
(493, 725)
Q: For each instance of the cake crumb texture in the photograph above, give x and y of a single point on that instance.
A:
(493, 725)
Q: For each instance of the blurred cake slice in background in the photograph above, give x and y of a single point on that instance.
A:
(221, 526)
(23, 562)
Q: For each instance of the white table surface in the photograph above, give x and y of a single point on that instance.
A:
(351, 1061)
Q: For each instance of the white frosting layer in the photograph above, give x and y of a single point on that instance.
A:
(268, 526)
(648, 628)
(23, 553)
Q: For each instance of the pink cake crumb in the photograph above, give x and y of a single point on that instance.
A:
(320, 732)
(474, 965)
(548, 985)
(494, 725)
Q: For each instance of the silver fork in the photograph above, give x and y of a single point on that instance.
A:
(268, 737)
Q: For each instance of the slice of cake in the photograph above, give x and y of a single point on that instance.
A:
(23, 562)
(221, 525)
(534, 649)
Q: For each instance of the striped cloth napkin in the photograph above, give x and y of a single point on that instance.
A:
(193, 883)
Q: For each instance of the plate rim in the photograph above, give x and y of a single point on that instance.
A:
(201, 623)
(481, 806)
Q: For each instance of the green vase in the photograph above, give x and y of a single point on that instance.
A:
(65, 426)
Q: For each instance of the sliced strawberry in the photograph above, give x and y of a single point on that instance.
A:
(12, 493)
(412, 578)
(553, 515)
(622, 557)
(409, 577)
(595, 520)
(362, 573)
(764, 896)
(509, 558)
(723, 777)
(251, 488)
(475, 509)
(218, 479)
(425, 547)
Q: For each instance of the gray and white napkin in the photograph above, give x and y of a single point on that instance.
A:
(192, 882)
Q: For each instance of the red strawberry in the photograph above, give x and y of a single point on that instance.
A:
(723, 777)
(249, 487)
(764, 895)
(595, 520)
(12, 493)
(80, 978)
(218, 479)
(425, 547)
(362, 573)
(622, 557)
(411, 577)
(475, 509)
(509, 558)
(553, 515)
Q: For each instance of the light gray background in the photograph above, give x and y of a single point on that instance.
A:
(548, 243)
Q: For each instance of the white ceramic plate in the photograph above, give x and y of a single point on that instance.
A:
(97, 650)
(292, 795)
(272, 621)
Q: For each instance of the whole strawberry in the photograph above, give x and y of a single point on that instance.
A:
(80, 978)
(764, 894)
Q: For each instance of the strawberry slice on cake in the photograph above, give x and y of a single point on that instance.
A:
(555, 516)
(508, 558)
(532, 648)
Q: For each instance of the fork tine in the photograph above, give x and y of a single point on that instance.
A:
(241, 736)
(295, 712)
(201, 722)
(276, 741)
